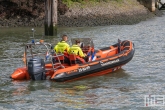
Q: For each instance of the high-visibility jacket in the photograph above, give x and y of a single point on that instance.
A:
(75, 49)
(61, 47)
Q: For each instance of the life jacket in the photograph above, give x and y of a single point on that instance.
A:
(91, 55)
(75, 49)
(61, 47)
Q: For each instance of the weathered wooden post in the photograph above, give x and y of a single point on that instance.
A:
(153, 2)
(51, 17)
(150, 4)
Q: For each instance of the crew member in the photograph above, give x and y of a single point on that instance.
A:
(62, 46)
(75, 49)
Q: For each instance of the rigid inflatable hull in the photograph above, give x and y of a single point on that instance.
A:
(108, 59)
(95, 70)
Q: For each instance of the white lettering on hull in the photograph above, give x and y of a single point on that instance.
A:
(109, 62)
(84, 69)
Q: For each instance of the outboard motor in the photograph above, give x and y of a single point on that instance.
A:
(36, 69)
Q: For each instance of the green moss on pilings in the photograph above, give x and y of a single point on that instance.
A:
(51, 30)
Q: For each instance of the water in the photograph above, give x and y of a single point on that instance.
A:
(121, 90)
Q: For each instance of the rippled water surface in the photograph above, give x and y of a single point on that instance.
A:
(121, 90)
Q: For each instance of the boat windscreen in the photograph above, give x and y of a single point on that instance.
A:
(83, 41)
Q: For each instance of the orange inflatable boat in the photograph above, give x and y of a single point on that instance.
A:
(41, 62)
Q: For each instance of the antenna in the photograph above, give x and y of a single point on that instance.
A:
(33, 31)
(33, 35)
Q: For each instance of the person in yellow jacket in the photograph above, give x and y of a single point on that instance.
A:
(62, 46)
(75, 49)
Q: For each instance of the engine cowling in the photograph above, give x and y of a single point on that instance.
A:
(36, 69)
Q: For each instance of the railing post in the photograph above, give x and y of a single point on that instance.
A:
(51, 17)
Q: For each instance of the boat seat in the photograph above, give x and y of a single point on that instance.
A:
(61, 58)
(72, 58)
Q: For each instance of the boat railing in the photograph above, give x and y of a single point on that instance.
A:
(31, 51)
(56, 65)
(38, 54)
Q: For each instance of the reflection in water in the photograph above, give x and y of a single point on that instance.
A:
(73, 98)
(20, 88)
(91, 92)
(119, 73)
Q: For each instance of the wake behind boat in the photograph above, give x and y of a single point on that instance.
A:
(41, 61)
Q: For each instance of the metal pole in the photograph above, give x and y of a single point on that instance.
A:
(51, 17)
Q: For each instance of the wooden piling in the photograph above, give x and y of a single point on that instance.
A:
(51, 17)
(150, 4)
(152, 8)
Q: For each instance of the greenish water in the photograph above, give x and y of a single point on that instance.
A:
(121, 90)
